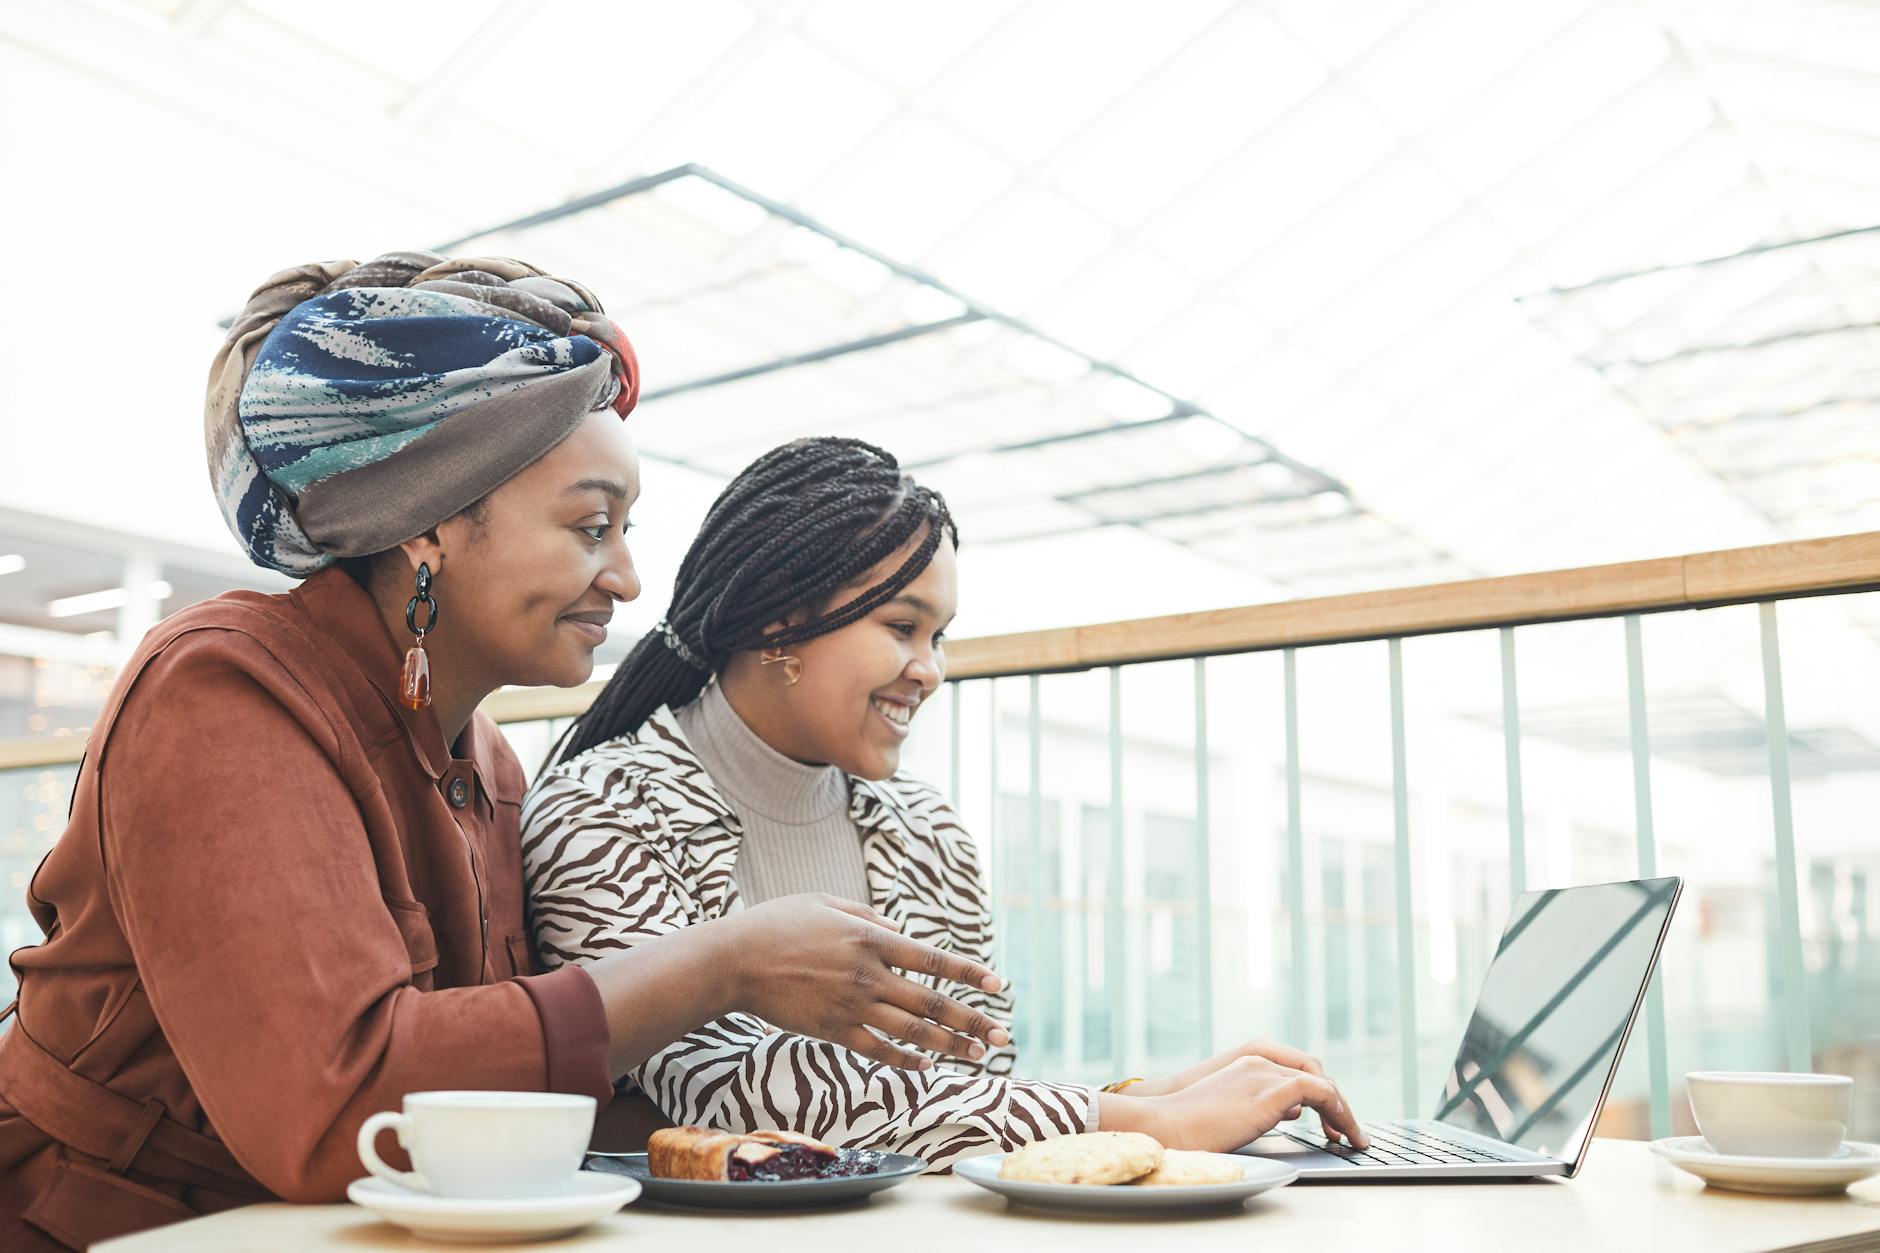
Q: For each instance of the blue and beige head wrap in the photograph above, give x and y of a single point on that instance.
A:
(355, 406)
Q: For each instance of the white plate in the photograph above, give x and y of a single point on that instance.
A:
(1785, 1176)
(890, 1169)
(1259, 1175)
(461, 1220)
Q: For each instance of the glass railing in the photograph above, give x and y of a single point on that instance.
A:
(33, 800)
(1319, 826)
(1308, 821)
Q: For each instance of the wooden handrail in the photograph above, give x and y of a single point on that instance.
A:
(1815, 567)
(1841, 563)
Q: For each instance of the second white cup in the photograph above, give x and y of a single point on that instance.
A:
(1771, 1114)
(485, 1144)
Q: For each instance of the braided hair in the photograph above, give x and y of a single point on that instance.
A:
(799, 525)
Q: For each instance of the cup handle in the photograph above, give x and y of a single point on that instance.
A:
(369, 1154)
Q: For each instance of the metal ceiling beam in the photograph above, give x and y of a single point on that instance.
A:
(1164, 480)
(1063, 437)
(1606, 280)
(864, 344)
(1700, 350)
(978, 309)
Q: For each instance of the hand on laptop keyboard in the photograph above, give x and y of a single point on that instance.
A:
(1273, 1051)
(1238, 1103)
(1392, 1145)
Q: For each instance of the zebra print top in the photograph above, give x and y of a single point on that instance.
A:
(632, 840)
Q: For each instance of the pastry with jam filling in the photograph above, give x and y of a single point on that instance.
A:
(761, 1156)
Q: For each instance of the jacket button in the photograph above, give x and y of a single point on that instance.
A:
(459, 792)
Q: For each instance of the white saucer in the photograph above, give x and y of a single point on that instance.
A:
(1788, 1176)
(590, 1196)
(1257, 1175)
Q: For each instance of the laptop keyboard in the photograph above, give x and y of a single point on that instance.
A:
(1393, 1145)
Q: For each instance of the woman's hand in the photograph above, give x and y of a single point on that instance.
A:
(1285, 1055)
(1234, 1105)
(822, 966)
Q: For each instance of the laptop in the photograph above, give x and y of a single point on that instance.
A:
(1538, 1056)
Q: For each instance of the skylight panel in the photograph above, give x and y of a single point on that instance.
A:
(1437, 65)
(1195, 350)
(407, 42)
(1845, 35)
(1009, 103)
(1433, 350)
(1599, 159)
(1308, 157)
(1796, 90)
(1243, 76)
(1358, 230)
(1026, 245)
(905, 45)
(911, 187)
(1518, 117)
(353, 87)
(1125, 294)
(1271, 388)
(1341, 33)
(782, 119)
(1455, 262)
(538, 61)
(987, 522)
(1641, 223)
(729, 216)
(1499, 382)
(1125, 400)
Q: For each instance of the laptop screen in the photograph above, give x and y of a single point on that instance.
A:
(1554, 1009)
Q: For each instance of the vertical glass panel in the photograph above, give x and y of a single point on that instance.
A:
(1720, 971)
(33, 803)
(1081, 983)
(1035, 858)
(1458, 833)
(1026, 853)
(1581, 819)
(974, 800)
(1252, 963)
(44, 697)
(1163, 876)
(1349, 833)
(927, 753)
(1830, 674)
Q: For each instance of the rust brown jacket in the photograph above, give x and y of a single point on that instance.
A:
(281, 903)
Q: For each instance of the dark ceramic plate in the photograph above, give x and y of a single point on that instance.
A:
(755, 1194)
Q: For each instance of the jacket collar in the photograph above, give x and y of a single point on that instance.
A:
(348, 618)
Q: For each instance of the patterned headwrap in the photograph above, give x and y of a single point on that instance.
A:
(355, 406)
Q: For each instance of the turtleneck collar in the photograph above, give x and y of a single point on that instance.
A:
(751, 774)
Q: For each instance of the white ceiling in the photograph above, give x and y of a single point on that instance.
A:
(1372, 237)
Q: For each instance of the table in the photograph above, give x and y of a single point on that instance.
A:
(1624, 1199)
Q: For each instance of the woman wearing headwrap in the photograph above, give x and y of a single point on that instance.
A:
(290, 889)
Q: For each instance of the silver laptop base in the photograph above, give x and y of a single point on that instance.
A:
(1315, 1163)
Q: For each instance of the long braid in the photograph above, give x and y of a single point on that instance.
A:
(799, 525)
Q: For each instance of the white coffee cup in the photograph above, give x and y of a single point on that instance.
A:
(1753, 1113)
(485, 1144)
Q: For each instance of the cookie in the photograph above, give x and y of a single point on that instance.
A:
(1095, 1157)
(1183, 1169)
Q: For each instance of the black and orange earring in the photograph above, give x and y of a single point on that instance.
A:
(415, 689)
(792, 666)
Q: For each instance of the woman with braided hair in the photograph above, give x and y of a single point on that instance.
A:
(290, 891)
(748, 748)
